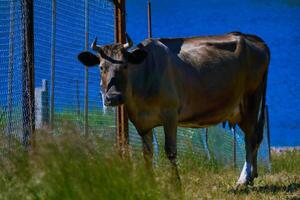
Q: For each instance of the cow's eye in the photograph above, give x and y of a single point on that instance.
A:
(101, 68)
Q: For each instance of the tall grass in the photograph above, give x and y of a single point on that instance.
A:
(71, 166)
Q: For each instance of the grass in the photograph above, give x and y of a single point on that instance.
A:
(70, 166)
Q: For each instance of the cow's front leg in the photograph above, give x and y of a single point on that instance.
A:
(147, 140)
(170, 129)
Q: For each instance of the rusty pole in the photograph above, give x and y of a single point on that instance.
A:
(121, 114)
(28, 74)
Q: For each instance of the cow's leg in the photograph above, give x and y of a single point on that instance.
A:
(252, 125)
(170, 129)
(257, 141)
(147, 140)
(246, 174)
(249, 172)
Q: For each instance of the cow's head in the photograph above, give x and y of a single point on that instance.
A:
(113, 61)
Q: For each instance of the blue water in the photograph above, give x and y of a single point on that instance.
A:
(277, 22)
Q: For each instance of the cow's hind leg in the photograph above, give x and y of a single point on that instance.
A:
(259, 131)
(249, 171)
(252, 124)
(252, 141)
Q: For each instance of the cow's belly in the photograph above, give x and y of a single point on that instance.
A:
(233, 117)
(205, 113)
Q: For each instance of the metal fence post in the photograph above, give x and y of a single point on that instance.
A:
(155, 141)
(206, 146)
(53, 41)
(149, 20)
(10, 70)
(233, 130)
(86, 77)
(121, 114)
(28, 74)
(268, 132)
(77, 100)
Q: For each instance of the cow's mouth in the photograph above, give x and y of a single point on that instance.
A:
(113, 100)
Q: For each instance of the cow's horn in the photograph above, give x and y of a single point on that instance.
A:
(129, 42)
(95, 47)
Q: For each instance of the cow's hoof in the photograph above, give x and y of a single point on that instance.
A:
(240, 186)
(244, 184)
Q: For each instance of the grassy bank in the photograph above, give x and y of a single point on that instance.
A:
(69, 166)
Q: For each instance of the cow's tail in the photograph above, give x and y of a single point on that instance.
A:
(261, 118)
(262, 108)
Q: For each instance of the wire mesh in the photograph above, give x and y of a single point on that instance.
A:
(219, 144)
(11, 62)
(69, 75)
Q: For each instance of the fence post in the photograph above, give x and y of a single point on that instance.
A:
(77, 100)
(149, 20)
(10, 71)
(42, 106)
(86, 77)
(53, 41)
(155, 147)
(121, 114)
(28, 74)
(206, 147)
(233, 130)
(268, 133)
(155, 142)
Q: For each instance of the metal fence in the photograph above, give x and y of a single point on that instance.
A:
(61, 30)
(11, 68)
(221, 144)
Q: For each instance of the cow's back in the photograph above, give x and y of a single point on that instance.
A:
(255, 57)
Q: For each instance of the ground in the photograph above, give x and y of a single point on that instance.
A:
(70, 166)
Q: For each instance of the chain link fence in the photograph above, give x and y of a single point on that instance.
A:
(216, 142)
(58, 40)
(11, 68)
(61, 31)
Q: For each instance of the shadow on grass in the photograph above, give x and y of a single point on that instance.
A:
(269, 188)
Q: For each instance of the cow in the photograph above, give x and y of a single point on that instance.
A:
(191, 82)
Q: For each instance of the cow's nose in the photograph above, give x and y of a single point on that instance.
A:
(113, 100)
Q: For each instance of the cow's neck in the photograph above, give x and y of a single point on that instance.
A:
(143, 95)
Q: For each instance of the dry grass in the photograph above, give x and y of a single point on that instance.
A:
(69, 166)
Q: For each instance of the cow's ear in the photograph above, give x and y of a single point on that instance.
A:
(137, 56)
(88, 59)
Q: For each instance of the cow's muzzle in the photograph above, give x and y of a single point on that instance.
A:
(113, 100)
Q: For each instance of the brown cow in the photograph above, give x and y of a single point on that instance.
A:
(188, 82)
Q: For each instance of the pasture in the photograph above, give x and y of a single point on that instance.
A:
(71, 166)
